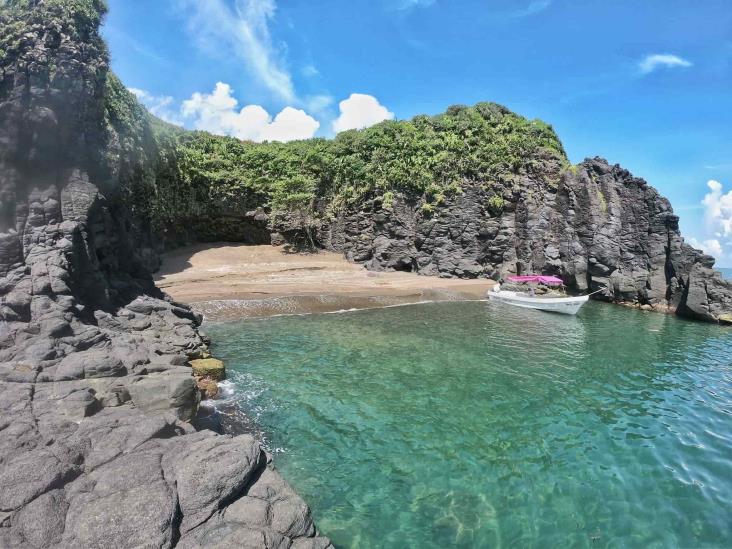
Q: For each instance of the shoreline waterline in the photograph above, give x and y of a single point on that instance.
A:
(228, 310)
(267, 279)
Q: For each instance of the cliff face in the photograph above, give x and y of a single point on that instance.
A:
(473, 192)
(595, 225)
(96, 448)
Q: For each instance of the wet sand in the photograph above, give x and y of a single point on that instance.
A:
(225, 281)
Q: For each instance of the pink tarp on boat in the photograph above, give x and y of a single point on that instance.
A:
(538, 279)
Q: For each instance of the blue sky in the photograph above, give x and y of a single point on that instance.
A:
(646, 84)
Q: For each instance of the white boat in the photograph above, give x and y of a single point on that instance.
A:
(564, 305)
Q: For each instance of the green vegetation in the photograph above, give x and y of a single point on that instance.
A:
(427, 208)
(496, 204)
(602, 200)
(80, 17)
(426, 158)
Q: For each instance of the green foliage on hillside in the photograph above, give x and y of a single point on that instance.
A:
(426, 157)
(78, 17)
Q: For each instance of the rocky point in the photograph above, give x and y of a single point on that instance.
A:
(97, 448)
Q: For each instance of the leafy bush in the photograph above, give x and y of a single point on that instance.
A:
(495, 204)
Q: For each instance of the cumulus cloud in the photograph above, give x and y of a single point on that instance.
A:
(290, 124)
(161, 106)
(661, 60)
(718, 209)
(242, 29)
(711, 246)
(718, 222)
(219, 112)
(360, 111)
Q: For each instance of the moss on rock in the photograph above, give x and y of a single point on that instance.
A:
(209, 367)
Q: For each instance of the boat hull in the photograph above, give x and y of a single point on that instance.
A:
(561, 305)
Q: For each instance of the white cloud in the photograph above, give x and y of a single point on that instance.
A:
(360, 111)
(290, 124)
(710, 246)
(534, 7)
(159, 105)
(218, 113)
(718, 210)
(661, 60)
(242, 29)
(718, 222)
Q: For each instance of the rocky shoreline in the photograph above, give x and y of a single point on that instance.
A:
(98, 447)
(98, 402)
(98, 450)
(96, 442)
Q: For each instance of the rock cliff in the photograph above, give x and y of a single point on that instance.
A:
(97, 448)
(595, 225)
(473, 192)
(96, 392)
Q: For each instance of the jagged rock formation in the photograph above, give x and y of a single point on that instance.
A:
(96, 444)
(96, 394)
(595, 225)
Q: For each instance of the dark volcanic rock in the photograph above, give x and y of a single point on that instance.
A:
(595, 225)
(95, 387)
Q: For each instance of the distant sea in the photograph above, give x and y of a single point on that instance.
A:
(726, 272)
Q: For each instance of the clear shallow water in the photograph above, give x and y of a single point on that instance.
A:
(477, 425)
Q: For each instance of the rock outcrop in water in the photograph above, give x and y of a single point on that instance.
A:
(595, 225)
(96, 393)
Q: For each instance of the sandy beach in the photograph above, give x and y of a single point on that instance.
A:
(233, 280)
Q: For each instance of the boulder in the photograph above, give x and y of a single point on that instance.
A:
(209, 388)
(166, 391)
(89, 364)
(211, 368)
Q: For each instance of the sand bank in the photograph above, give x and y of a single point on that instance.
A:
(233, 280)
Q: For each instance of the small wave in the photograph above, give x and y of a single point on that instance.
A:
(226, 389)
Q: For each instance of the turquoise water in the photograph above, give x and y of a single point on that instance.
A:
(480, 425)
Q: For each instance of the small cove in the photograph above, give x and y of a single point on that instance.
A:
(474, 425)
